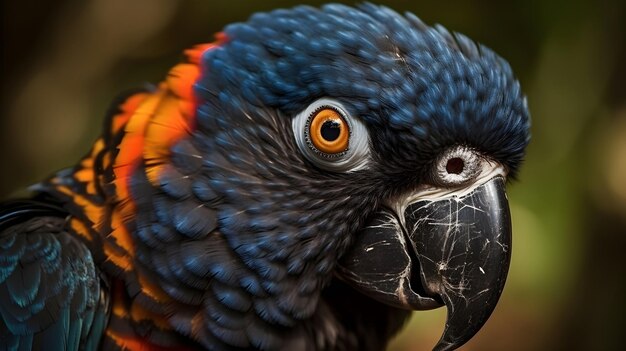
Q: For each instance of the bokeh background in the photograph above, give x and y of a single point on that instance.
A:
(64, 60)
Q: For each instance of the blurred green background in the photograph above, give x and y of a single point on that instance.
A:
(63, 61)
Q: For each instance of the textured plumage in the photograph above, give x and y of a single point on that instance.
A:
(201, 221)
(50, 291)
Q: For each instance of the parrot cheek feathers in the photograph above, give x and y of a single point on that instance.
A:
(454, 250)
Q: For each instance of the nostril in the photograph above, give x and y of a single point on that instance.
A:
(455, 165)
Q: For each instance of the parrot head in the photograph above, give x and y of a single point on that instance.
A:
(313, 175)
(360, 145)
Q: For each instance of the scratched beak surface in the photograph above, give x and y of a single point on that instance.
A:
(463, 245)
(453, 251)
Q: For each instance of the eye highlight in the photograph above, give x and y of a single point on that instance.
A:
(328, 131)
(331, 138)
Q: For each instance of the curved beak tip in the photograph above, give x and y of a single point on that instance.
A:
(453, 251)
(465, 262)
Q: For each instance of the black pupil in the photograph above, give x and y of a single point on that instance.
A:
(331, 130)
(455, 165)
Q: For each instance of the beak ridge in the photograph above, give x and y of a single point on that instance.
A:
(464, 251)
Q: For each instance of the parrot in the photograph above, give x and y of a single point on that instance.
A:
(303, 182)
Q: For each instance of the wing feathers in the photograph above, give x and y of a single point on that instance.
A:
(49, 288)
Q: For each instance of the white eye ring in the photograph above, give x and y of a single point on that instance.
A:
(458, 166)
(355, 157)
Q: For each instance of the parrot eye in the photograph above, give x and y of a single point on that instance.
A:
(331, 138)
(328, 132)
(457, 166)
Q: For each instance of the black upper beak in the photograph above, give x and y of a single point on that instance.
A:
(453, 251)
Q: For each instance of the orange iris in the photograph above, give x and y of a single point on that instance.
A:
(329, 132)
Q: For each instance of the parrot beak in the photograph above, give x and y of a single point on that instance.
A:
(453, 250)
